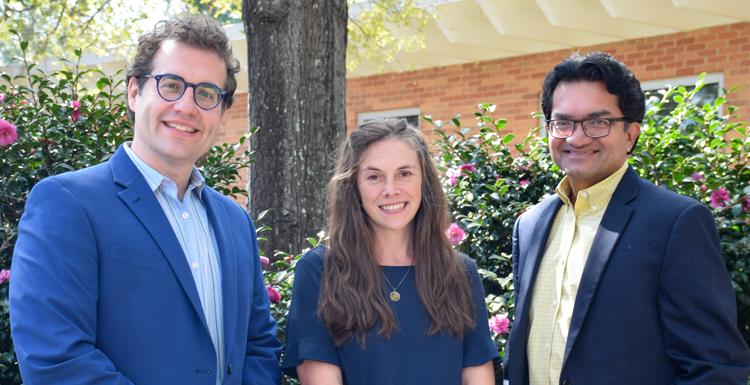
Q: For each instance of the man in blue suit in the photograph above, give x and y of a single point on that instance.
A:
(134, 271)
(617, 281)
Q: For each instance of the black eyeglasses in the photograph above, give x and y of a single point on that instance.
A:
(171, 88)
(593, 128)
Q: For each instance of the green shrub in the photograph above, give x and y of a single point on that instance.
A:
(489, 183)
(279, 276)
(62, 127)
(702, 151)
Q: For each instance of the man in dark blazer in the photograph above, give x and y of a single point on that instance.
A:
(617, 281)
(134, 271)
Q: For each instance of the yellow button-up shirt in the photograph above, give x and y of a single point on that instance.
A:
(560, 270)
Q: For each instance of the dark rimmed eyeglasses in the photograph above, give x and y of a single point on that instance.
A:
(593, 128)
(171, 88)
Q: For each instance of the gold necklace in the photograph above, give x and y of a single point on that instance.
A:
(394, 294)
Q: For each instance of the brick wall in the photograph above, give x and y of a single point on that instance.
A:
(235, 126)
(514, 84)
(236, 123)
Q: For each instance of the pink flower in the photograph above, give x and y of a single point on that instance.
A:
(264, 261)
(745, 203)
(719, 198)
(455, 234)
(499, 324)
(704, 188)
(4, 276)
(524, 183)
(273, 294)
(2, 98)
(8, 133)
(467, 168)
(452, 175)
(76, 114)
(697, 176)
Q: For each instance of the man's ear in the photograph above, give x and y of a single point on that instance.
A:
(632, 134)
(132, 93)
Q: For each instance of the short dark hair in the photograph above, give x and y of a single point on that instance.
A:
(196, 31)
(598, 67)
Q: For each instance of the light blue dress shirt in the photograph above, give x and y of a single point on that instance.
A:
(190, 223)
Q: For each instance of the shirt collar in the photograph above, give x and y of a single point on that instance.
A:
(593, 198)
(156, 180)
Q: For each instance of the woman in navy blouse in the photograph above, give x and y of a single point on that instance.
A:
(388, 301)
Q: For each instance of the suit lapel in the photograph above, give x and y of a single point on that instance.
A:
(533, 230)
(139, 198)
(613, 223)
(227, 255)
(539, 233)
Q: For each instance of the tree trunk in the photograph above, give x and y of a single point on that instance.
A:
(297, 79)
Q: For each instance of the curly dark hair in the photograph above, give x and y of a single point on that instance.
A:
(598, 67)
(196, 31)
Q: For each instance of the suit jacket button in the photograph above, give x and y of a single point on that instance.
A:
(229, 369)
(566, 382)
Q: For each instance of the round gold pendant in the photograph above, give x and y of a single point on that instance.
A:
(395, 296)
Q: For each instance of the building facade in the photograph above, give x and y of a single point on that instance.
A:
(514, 84)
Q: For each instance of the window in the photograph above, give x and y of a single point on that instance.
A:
(708, 94)
(410, 114)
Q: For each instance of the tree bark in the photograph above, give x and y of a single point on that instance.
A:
(297, 89)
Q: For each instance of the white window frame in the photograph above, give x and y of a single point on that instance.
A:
(657, 84)
(397, 113)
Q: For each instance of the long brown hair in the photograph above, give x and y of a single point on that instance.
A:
(351, 300)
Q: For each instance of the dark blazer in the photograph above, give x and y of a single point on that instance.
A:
(102, 293)
(654, 306)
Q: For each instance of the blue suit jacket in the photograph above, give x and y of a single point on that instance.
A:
(102, 292)
(654, 305)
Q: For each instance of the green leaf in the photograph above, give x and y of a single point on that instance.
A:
(508, 138)
(262, 215)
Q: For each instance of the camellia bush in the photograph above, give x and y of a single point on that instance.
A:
(489, 182)
(50, 125)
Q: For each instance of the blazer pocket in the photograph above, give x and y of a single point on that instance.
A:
(138, 258)
(643, 248)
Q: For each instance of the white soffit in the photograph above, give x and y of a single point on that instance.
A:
(591, 16)
(467, 31)
(663, 13)
(734, 9)
(525, 19)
